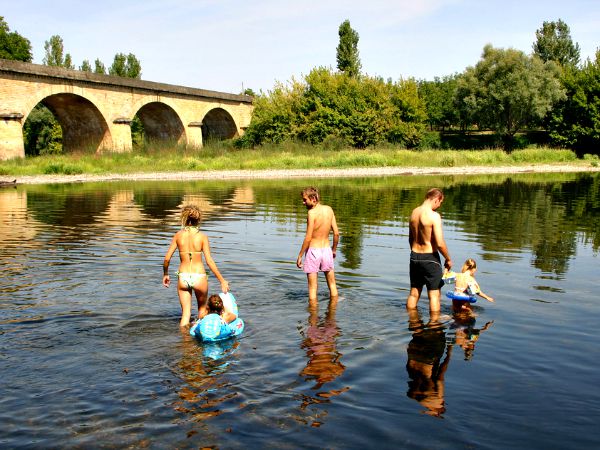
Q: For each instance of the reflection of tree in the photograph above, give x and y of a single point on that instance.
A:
(425, 366)
(545, 216)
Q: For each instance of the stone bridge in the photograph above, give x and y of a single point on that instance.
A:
(95, 111)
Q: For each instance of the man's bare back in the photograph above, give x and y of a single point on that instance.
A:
(318, 257)
(426, 240)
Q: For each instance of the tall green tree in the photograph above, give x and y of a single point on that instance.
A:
(575, 122)
(99, 67)
(126, 66)
(85, 66)
(553, 43)
(347, 57)
(439, 96)
(13, 45)
(507, 91)
(55, 53)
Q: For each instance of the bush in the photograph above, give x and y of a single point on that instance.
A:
(63, 169)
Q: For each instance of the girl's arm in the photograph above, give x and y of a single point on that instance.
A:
(167, 260)
(487, 297)
(212, 265)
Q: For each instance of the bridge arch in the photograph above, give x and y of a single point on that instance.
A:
(83, 125)
(218, 124)
(161, 123)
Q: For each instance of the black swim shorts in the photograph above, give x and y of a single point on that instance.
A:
(426, 269)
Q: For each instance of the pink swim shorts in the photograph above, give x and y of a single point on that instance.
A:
(318, 259)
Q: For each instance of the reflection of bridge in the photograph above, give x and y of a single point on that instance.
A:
(95, 111)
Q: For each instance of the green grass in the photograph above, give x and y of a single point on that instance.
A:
(291, 155)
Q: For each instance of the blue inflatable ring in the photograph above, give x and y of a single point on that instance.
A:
(462, 297)
(212, 328)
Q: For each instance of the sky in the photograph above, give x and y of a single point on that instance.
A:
(231, 45)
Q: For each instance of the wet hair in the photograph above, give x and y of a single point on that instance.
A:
(215, 304)
(311, 192)
(469, 264)
(190, 215)
(434, 193)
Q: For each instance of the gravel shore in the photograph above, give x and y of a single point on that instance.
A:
(301, 173)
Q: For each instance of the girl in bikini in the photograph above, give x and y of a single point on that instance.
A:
(192, 244)
(465, 284)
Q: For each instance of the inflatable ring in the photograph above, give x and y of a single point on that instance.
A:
(461, 297)
(212, 328)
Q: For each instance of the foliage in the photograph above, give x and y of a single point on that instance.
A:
(126, 66)
(85, 66)
(347, 57)
(508, 90)
(42, 134)
(289, 155)
(575, 122)
(13, 45)
(55, 56)
(554, 43)
(335, 107)
(439, 97)
(99, 67)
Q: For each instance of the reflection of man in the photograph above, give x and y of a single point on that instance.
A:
(425, 366)
(320, 343)
(426, 239)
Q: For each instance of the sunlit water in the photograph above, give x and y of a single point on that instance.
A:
(91, 354)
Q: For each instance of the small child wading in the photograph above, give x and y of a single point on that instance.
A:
(191, 276)
(465, 284)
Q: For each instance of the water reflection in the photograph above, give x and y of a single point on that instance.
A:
(323, 359)
(465, 334)
(201, 369)
(426, 365)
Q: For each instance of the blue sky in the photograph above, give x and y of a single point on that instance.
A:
(225, 45)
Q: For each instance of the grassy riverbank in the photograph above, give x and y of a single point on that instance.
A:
(221, 157)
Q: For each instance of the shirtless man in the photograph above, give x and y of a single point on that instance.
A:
(318, 256)
(426, 240)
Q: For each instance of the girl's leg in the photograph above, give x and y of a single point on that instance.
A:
(185, 299)
(201, 291)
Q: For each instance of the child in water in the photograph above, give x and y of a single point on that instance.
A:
(192, 244)
(465, 284)
(216, 305)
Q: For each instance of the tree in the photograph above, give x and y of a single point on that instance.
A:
(575, 122)
(99, 67)
(347, 57)
(126, 66)
(508, 90)
(85, 66)
(439, 96)
(55, 55)
(554, 43)
(13, 45)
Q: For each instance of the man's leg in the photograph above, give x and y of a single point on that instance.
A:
(312, 286)
(330, 277)
(434, 300)
(413, 298)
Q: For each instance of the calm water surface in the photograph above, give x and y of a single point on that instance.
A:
(91, 354)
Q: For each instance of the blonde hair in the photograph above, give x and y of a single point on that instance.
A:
(469, 265)
(434, 193)
(190, 215)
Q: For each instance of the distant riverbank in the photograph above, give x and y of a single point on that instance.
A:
(579, 166)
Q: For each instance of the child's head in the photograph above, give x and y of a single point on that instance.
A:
(469, 264)
(190, 216)
(215, 304)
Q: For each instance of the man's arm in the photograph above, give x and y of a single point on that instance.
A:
(310, 224)
(438, 237)
(336, 234)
